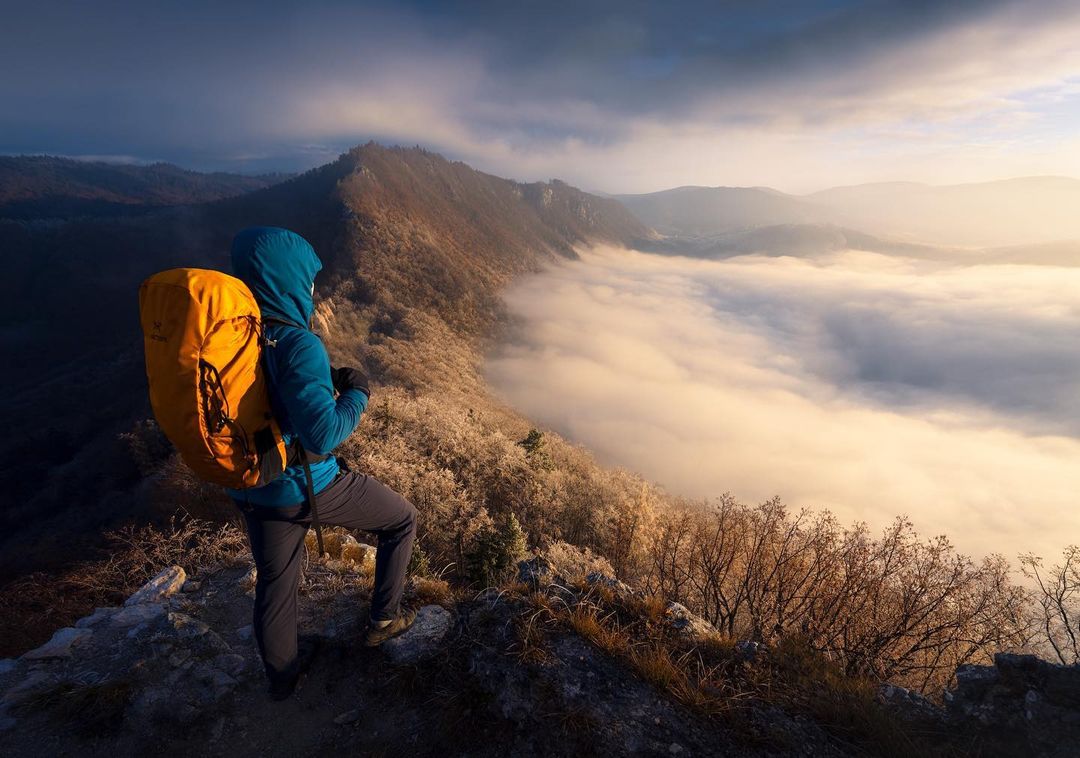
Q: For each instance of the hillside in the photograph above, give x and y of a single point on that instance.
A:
(407, 238)
(708, 211)
(417, 249)
(41, 186)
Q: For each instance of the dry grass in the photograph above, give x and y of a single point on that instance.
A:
(531, 635)
(710, 677)
(653, 664)
(428, 591)
(34, 606)
(586, 622)
(88, 709)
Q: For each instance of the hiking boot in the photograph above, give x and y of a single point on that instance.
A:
(282, 688)
(378, 634)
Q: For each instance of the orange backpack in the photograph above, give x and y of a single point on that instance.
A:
(203, 337)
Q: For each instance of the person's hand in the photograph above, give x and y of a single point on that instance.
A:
(348, 378)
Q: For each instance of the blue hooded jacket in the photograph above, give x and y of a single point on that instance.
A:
(279, 267)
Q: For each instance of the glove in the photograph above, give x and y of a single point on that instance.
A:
(348, 378)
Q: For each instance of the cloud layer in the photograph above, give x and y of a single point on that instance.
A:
(868, 385)
(619, 96)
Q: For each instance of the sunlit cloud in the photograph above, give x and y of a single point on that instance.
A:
(871, 386)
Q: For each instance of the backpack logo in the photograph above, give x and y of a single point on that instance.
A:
(156, 334)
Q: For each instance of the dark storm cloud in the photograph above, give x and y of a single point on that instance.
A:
(244, 83)
(660, 57)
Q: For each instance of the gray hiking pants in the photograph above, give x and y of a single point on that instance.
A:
(352, 500)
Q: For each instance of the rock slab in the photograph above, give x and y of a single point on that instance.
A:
(61, 644)
(164, 585)
(422, 641)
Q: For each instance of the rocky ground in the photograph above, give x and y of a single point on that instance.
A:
(174, 671)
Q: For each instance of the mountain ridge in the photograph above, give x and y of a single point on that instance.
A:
(428, 236)
(33, 186)
(1008, 212)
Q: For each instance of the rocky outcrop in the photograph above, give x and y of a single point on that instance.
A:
(175, 669)
(60, 646)
(609, 711)
(157, 663)
(1020, 705)
(680, 619)
(1023, 700)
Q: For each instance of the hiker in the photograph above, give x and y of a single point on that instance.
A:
(279, 267)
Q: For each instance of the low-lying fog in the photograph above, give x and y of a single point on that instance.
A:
(870, 385)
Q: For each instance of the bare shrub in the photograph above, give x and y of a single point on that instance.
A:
(33, 606)
(1057, 601)
(894, 607)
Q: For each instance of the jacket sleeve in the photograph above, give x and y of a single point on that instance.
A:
(303, 384)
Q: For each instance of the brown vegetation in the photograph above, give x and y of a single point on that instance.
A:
(34, 605)
(753, 695)
(893, 607)
(416, 250)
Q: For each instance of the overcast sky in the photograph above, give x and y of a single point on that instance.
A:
(620, 96)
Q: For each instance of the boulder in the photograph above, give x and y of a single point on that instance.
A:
(748, 650)
(232, 664)
(136, 614)
(908, 704)
(536, 572)
(247, 581)
(683, 621)
(164, 585)
(423, 640)
(187, 627)
(1030, 704)
(358, 553)
(598, 579)
(61, 644)
(99, 616)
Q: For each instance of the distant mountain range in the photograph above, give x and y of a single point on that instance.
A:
(1024, 211)
(45, 186)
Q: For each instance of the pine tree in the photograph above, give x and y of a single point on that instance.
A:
(496, 551)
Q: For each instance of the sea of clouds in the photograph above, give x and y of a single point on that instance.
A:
(870, 385)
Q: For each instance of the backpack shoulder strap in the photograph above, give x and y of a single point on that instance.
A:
(282, 322)
(311, 498)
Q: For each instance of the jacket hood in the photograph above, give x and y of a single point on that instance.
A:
(279, 267)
